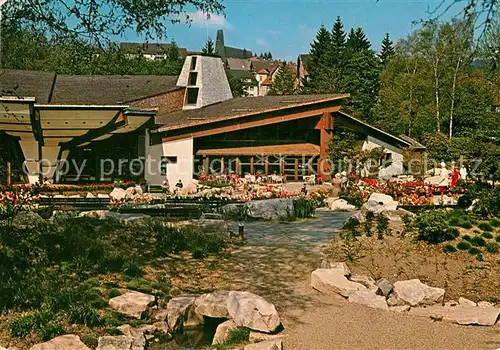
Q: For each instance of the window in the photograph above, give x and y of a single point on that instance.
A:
(193, 77)
(193, 63)
(164, 162)
(192, 96)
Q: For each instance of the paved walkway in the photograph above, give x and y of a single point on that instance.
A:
(276, 263)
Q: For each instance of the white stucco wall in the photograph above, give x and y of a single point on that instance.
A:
(396, 167)
(183, 169)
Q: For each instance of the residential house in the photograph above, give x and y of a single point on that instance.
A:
(302, 72)
(250, 84)
(150, 51)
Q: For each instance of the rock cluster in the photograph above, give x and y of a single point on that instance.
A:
(241, 309)
(411, 296)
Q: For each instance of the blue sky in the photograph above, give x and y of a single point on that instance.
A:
(286, 27)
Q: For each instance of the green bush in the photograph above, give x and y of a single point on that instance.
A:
(449, 248)
(303, 208)
(478, 241)
(91, 341)
(51, 330)
(474, 251)
(113, 292)
(465, 224)
(83, 314)
(132, 269)
(140, 284)
(487, 235)
(433, 227)
(467, 238)
(464, 245)
(238, 335)
(492, 248)
(21, 326)
(495, 222)
(497, 238)
(485, 226)
(479, 257)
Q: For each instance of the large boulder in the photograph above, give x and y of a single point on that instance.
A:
(266, 345)
(270, 209)
(222, 332)
(379, 203)
(337, 204)
(117, 194)
(366, 281)
(132, 304)
(461, 314)
(330, 281)
(369, 299)
(120, 342)
(63, 342)
(339, 267)
(415, 293)
(212, 304)
(252, 311)
(180, 312)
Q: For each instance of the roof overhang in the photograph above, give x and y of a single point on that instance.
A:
(357, 125)
(296, 149)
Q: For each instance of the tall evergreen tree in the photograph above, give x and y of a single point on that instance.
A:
(317, 62)
(387, 50)
(269, 55)
(284, 82)
(357, 41)
(209, 47)
(338, 37)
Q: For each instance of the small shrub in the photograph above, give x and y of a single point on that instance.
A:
(21, 326)
(485, 226)
(132, 269)
(487, 235)
(474, 251)
(83, 314)
(464, 245)
(454, 221)
(465, 224)
(92, 282)
(498, 238)
(91, 341)
(433, 226)
(495, 222)
(382, 226)
(479, 257)
(478, 241)
(449, 248)
(140, 284)
(113, 292)
(492, 248)
(476, 231)
(51, 330)
(452, 233)
(113, 331)
(238, 335)
(303, 208)
(467, 238)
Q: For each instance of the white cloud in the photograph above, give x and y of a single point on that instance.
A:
(203, 20)
(262, 42)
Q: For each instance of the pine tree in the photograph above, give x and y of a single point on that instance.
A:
(269, 55)
(338, 37)
(317, 62)
(284, 82)
(209, 47)
(387, 50)
(357, 41)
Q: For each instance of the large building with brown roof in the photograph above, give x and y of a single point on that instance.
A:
(102, 128)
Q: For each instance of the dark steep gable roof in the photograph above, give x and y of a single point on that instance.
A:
(237, 53)
(235, 108)
(109, 89)
(150, 48)
(27, 83)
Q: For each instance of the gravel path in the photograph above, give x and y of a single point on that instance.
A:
(276, 263)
